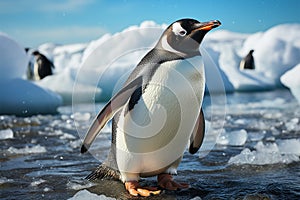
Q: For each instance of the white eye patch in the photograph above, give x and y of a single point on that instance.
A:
(178, 30)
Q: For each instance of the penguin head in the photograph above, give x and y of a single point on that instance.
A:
(185, 35)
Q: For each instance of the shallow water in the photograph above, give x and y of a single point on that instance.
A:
(40, 155)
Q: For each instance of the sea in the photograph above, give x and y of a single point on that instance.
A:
(251, 151)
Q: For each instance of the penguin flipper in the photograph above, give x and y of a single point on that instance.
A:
(109, 110)
(198, 134)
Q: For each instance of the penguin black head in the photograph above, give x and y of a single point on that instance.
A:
(185, 35)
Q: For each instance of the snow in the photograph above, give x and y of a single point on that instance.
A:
(281, 151)
(84, 194)
(6, 134)
(19, 96)
(291, 79)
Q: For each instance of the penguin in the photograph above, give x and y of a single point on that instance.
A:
(157, 113)
(248, 61)
(42, 67)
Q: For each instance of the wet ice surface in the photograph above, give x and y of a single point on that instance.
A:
(40, 155)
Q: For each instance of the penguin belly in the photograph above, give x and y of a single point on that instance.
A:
(151, 138)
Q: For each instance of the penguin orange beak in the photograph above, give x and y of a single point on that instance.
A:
(207, 26)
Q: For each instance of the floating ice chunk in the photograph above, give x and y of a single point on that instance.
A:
(267, 148)
(5, 180)
(6, 134)
(196, 198)
(256, 136)
(241, 121)
(84, 194)
(234, 138)
(290, 146)
(81, 116)
(27, 150)
(293, 124)
(46, 189)
(76, 143)
(67, 136)
(38, 182)
(269, 153)
(79, 186)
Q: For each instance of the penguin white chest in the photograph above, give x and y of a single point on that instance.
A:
(156, 131)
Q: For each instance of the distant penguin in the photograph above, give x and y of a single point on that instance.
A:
(248, 61)
(157, 112)
(42, 67)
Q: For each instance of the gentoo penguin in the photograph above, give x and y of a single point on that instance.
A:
(248, 61)
(157, 113)
(42, 66)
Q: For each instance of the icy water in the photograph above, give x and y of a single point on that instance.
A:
(256, 155)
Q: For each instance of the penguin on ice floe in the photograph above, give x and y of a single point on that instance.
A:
(39, 67)
(157, 112)
(248, 61)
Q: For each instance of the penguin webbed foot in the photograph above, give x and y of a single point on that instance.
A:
(134, 189)
(166, 181)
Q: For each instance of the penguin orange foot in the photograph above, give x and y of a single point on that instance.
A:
(166, 181)
(134, 188)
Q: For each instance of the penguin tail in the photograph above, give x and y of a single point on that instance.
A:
(104, 172)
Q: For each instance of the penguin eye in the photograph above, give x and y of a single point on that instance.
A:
(182, 33)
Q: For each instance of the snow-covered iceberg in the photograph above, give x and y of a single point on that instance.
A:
(291, 79)
(95, 70)
(19, 96)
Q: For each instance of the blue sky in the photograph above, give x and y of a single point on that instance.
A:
(33, 22)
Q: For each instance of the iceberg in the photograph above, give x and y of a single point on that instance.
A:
(291, 80)
(19, 96)
(103, 65)
(94, 71)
